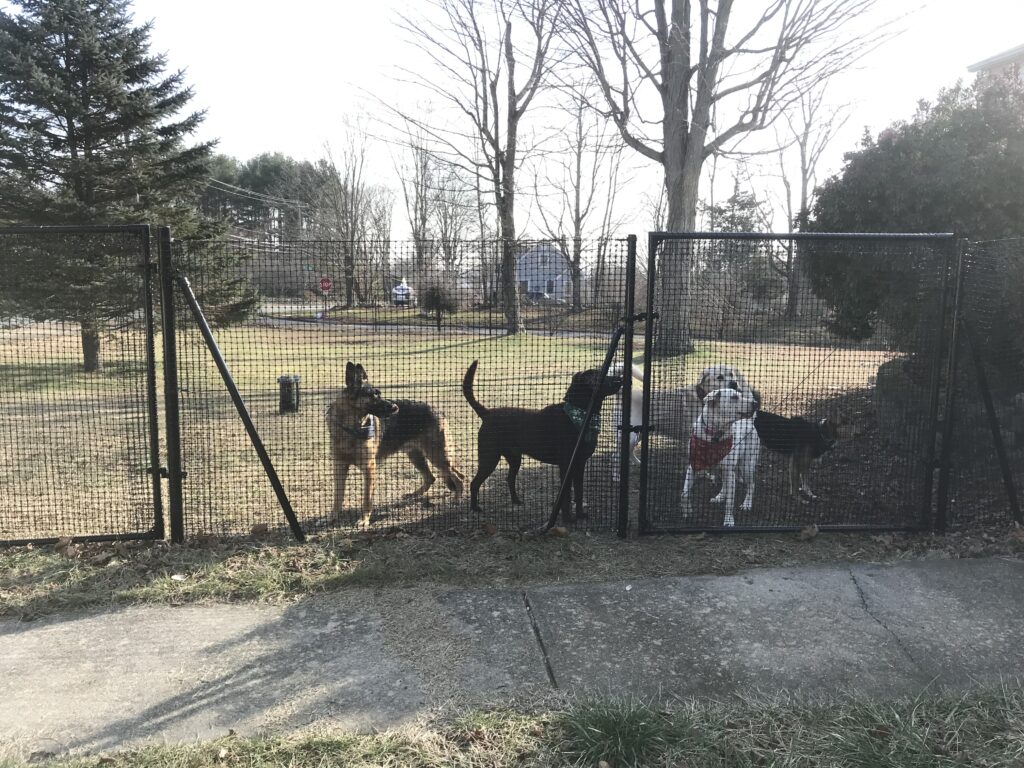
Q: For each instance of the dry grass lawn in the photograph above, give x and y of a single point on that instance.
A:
(76, 448)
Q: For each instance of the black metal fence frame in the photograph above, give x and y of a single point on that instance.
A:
(932, 514)
(655, 239)
(148, 274)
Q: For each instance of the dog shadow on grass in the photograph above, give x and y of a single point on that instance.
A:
(440, 512)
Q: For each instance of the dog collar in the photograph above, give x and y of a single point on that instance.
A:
(709, 434)
(363, 431)
(577, 415)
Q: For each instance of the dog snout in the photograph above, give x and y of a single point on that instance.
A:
(734, 385)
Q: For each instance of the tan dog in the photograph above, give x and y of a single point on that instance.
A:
(365, 428)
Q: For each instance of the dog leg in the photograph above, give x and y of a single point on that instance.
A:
(802, 465)
(748, 497)
(514, 462)
(340, 476)
(419, 460)
(687, 487)
(805, 489)
(577, 489)
(369, 475)
(749, 473)
(454, 480)
(488, 462)
(728, 496)
(567, 516)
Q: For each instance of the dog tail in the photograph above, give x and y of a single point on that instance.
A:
(467, 390)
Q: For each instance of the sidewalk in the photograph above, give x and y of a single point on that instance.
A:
(379, 658)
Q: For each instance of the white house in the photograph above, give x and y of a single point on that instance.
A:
(1011, 58)
(402, 295)
(543, 271)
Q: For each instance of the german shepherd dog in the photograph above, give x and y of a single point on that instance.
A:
(547, 435)
(365, 428)
(801, 440)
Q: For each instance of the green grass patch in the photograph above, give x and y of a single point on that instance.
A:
(980, 730)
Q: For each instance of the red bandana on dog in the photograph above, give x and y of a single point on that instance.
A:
(705, 454)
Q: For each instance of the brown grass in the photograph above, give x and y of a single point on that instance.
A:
(79, 460)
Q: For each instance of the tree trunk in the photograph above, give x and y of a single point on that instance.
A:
(675, 268)
(576, 272)
(509, 286)
(93, 361)
(792, 284)
(350, 275)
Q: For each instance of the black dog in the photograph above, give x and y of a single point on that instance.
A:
(799, 439)
(548, 435)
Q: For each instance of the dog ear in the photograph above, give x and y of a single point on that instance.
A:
(361, 373)
(350, 376)
(700, 391)
(756, 394)
(713, 398)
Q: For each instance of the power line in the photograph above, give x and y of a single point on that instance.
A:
(223, 186)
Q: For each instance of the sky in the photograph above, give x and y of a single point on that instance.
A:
(286, 76)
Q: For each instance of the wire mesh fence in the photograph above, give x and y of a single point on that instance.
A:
(414, 315)
(836, 339)
(991, 318)
(76, 379)
(855, 330)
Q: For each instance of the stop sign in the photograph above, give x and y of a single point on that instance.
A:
(326, 284)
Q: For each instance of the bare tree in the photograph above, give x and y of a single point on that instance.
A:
(811, 127)
(685, 58)
(381, 210)
(579, 162)
(418, 181)
(477, 49)
(454, 209)
(344, 206)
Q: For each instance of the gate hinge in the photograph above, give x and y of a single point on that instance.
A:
(163, 472)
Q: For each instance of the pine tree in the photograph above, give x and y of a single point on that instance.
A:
(91, 132)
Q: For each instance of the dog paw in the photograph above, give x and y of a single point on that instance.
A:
(746, 506)
(717, 499)
(729, 522)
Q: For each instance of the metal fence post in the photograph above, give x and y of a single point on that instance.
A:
(626, 427)
(172, 412)
(948, 417)
(653, 239)
(155, 467)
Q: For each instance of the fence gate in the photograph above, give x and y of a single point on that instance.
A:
(289, 315)
(849, 328)
(79, 447)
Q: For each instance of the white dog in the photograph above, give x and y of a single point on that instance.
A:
(722, 376)
(673, 410)
(724, 436)
(636, 412)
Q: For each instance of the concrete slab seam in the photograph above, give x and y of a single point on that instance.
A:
(864, 604)
(540, 641)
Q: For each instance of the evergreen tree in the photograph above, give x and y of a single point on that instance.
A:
(957, 166)
(91, 132)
